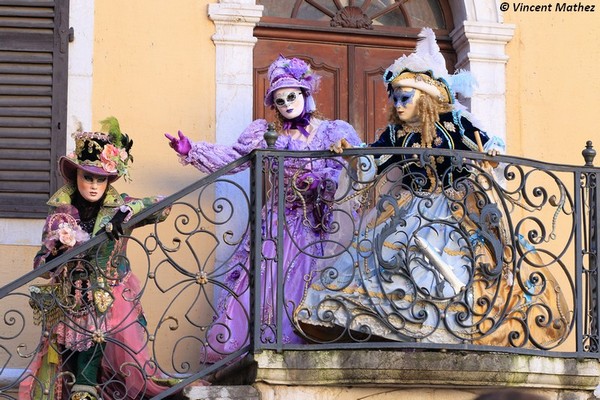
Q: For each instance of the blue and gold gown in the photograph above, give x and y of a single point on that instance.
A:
(422, 259)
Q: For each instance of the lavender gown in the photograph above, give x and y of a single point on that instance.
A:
(302, 238)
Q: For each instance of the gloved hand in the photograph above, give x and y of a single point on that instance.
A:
(182, 145)
(57, 250)
(114, 227)
(339, 146)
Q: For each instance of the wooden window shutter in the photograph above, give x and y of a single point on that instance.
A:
(34, 38)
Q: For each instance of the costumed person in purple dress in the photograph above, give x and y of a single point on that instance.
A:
(96, 347)
(428, 264)
(309, 184)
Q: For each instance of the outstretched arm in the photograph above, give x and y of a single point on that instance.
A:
(208, 157)
(181, 145)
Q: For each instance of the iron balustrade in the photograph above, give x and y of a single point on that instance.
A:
(516, 270)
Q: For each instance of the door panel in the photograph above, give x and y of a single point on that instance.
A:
(351, 88)
(329, 60)
(368, 99)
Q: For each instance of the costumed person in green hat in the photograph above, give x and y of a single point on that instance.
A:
(96, 348)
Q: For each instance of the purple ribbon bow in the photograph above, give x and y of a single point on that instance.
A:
(300, 123)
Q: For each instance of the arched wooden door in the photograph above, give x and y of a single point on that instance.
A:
(350, 43)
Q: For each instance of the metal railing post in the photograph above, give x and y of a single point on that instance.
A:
(592, 249)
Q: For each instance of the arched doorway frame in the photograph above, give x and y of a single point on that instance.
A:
(479, 38)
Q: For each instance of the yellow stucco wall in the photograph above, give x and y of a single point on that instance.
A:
(154, 69)
(553, 86)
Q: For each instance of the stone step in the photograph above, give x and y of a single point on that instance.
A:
(243, 392)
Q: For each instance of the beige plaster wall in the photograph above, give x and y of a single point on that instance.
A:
(17, 260)
(154, 69)
(553, 88)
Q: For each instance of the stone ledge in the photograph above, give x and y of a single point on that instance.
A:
(221, 393)
(427, 369)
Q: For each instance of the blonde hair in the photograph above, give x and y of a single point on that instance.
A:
(429, 109)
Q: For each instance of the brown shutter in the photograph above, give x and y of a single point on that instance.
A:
(33, 95)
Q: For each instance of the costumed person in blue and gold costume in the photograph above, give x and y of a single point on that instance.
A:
(96, 345)
(421, 261)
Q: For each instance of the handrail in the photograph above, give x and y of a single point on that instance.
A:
(102, 236)
(536, 228)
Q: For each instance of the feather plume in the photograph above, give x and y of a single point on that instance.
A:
(428, 49)
(111, 126)
(462, 82)
(427, 43)
(78, 125)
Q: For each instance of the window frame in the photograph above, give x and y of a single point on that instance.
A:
(32, 128)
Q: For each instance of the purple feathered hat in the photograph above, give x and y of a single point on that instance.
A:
(292, 73)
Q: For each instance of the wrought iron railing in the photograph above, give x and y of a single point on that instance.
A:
(465, 258)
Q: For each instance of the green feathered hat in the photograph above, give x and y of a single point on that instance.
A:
(106, 153)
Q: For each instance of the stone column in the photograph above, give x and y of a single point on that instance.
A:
(480, 47)
(234, 41)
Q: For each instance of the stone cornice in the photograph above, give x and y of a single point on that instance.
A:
(426, 369)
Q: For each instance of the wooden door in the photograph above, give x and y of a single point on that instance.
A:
(349, 44)
(329, 60)
(368, 103)
(351, 87)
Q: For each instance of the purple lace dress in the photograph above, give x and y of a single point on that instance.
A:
(310, 187)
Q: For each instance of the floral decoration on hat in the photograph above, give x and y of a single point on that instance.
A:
(105, 154)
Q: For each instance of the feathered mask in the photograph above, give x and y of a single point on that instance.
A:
(292, 73)
(425, 69)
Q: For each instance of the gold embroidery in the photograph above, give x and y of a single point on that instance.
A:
(102, 299)
(47, 301)
(406, 129)
(454, 252)
(449, 126)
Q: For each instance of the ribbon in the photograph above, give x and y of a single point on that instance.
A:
(299, 123)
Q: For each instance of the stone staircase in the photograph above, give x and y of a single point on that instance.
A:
(232, 382)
